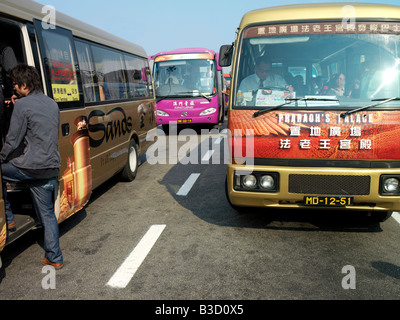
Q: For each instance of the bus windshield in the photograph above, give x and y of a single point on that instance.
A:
(317, 65)
(184, 78)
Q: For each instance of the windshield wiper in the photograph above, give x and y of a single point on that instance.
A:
(205, 97)
(161, 98)
(381, 101)
(194, 94)
(289, 101)
(167, 97)
(184, 95)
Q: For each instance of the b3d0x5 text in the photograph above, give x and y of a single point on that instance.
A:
(221, 309)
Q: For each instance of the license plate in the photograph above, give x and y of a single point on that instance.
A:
(184, 120)
(328, 201)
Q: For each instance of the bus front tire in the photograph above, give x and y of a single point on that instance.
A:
(132, 163)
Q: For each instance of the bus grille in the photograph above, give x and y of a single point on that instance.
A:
(329, 184)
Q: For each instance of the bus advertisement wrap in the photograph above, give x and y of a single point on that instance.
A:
(321, 134)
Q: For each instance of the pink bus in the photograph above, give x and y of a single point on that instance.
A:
(189, 87)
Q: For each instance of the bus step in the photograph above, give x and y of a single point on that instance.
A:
(24, 223)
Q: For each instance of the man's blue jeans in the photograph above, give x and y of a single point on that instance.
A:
(42, 198)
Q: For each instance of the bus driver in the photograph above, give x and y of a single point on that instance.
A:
(263, 77)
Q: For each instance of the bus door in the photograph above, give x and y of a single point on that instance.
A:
(220, 88)
(62, 83)
(13, 35)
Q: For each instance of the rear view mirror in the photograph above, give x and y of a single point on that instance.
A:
(225, 55)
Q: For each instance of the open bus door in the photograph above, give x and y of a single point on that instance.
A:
(3, 226)
(220, 88)
(12, 36)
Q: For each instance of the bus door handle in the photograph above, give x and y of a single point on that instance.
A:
(65, 129)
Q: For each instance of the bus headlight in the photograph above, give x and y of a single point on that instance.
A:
(390, 185)
(267, 182)
(249, 181)
(256, 181)
(162, 113)
(208, 111)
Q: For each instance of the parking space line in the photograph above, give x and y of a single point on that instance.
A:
(396, 216)
(128, 268)
(184, 190)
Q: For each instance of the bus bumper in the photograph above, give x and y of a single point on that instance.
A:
(211, 118)
(284, 197)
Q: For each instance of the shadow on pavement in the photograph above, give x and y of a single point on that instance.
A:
(207, 201)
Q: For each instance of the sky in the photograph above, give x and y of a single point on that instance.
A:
(162, 25)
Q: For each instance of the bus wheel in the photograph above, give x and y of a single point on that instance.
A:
(132, 163)
(381, 216)
(165, 128)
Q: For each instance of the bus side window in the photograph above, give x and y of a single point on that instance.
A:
(109, 65)
(59, 59)
(138, 76)
(88, 72)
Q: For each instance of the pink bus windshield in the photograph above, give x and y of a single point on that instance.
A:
(182, 77)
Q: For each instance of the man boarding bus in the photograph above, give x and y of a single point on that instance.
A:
(103, 88)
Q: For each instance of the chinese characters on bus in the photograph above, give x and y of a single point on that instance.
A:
(354, 130)
(63, 76)
(323, 28)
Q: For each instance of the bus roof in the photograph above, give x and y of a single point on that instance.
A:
(320, 11)
(182, 51)
(28, 10)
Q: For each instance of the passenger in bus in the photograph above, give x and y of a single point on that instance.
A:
(336, 85)
(369, 69)
(354, 89)
(35, 122)
(263, 77)
(299, 86)
(7, 62)
(172, 80)
(317, 85)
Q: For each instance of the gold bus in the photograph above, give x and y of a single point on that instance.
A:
(325, 118)
(103, 87)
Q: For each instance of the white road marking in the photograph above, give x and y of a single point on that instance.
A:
(396, 216)
(184, 190)
(208, 155)
(218, 140)
(128, 268)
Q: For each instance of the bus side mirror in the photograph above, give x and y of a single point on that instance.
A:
(225, 55)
